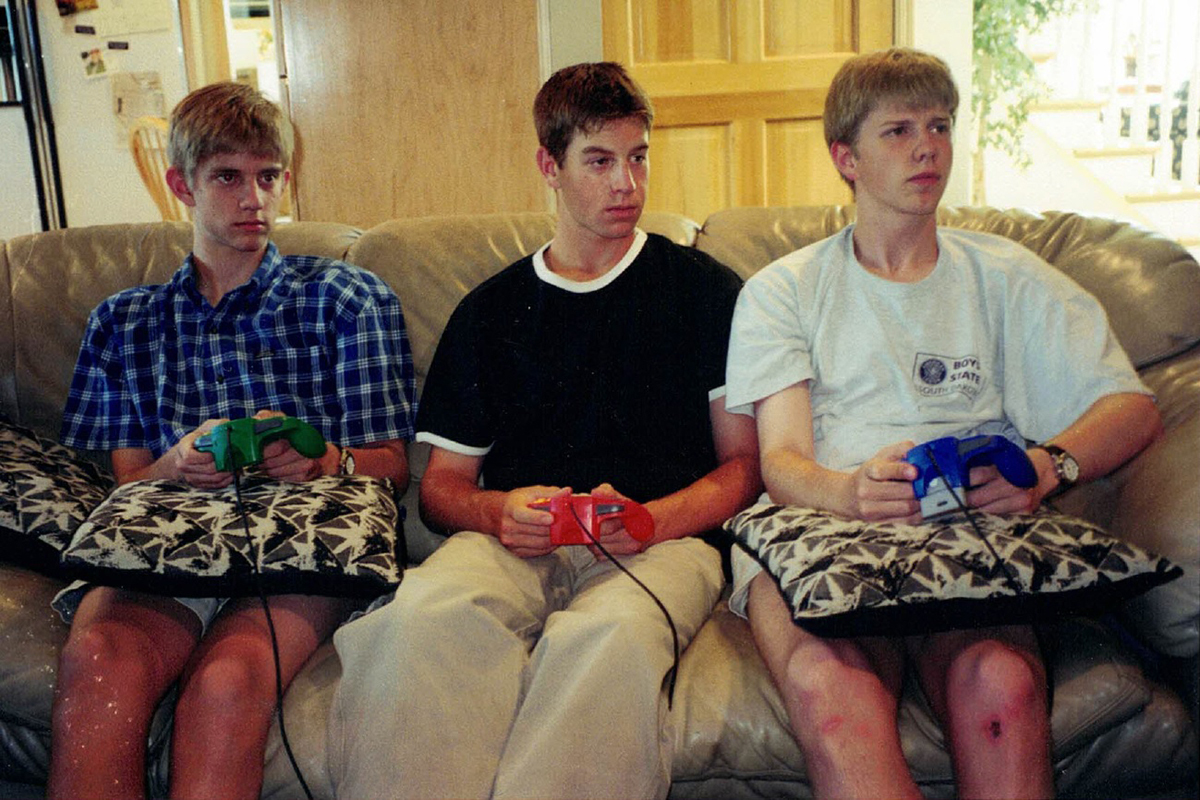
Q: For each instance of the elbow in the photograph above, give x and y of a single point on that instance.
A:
(772, 468)
(1152, 422)
(427, 505)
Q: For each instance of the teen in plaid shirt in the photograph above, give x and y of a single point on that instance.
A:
(238, 331)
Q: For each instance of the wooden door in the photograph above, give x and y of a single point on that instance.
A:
(412, 109)
(739, 88)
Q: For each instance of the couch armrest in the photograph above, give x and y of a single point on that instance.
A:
(1159, 509)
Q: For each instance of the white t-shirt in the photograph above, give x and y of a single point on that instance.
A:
(993, 340)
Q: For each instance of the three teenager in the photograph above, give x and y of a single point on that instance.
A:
(505, 666)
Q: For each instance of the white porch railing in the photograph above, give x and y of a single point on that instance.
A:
(1138, 61)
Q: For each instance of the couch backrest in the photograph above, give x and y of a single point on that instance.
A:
(1148, 284)
(50, 282)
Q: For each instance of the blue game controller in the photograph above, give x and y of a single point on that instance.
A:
(944, 467)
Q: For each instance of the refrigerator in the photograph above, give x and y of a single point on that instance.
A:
(84, 70)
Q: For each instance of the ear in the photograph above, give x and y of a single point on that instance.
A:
(845, 160)
(548, 167)
(179, 186)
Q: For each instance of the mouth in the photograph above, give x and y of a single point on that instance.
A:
(926, 178)
(253, 226)
(624, 211)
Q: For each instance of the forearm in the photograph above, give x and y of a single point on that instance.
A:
(452, 503)
(1115, 429)
(707, 503)
(794, 479)
(378, 459)
(130, 465)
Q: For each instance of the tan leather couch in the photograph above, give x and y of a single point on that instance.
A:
(1119, 729)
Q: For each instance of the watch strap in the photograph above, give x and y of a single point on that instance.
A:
(1059, 458)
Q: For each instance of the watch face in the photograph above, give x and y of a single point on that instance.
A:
(1068, 468)
(349, 467)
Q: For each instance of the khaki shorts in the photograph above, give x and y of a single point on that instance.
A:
(66, 603)
(745, 569)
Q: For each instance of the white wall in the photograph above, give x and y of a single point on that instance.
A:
(19, 212)
(572, 33)
(943, 27)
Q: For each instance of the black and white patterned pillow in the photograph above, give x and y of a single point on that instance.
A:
(45, 493)
(851, 578)
(336, 535)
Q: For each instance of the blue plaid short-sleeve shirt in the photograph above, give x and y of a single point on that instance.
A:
(315, 338)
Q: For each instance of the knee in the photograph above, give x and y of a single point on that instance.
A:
(231, 683)
(99, 652)
(998, 681)
(821, 677)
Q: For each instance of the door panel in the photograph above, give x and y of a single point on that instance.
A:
(738, 88)
(414, 108)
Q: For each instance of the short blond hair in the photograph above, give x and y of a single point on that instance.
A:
(908, 77)
(227, 118)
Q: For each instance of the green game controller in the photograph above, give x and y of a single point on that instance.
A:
(239, 443)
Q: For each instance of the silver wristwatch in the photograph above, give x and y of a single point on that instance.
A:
(1065, 466)
(346, 464)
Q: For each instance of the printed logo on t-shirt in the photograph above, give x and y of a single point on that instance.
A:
(938, 376)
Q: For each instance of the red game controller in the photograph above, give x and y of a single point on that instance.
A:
(578, 515)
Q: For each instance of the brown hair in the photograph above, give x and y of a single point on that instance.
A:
(584, 97)
(902, 75)
(227, 118)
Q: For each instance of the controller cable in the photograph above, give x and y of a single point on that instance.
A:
(255, 554)
(673, 673)
(1012, 581)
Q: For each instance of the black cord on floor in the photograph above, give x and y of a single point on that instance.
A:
(262, 596)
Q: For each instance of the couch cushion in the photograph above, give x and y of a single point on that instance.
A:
(335, 535)
(1147, 283)
(844, 577)
(45, 493)
(31, 635)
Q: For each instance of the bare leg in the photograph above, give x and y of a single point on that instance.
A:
(123, 652)
(989, 688)
(227, 694)
(842, 698)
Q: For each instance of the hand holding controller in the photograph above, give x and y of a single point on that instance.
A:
(945, 464)
(239, 442)
(578, 515)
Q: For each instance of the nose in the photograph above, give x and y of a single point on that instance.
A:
(624, 181)
(926, 147)
(253, 197)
